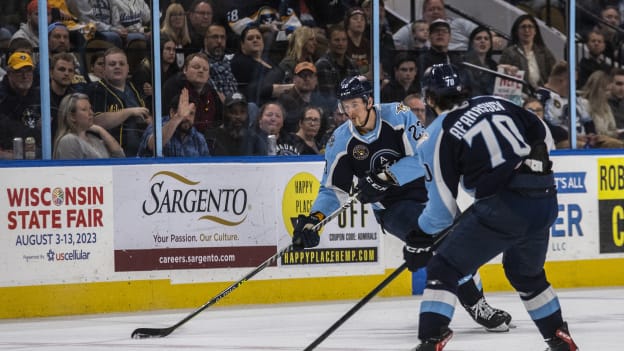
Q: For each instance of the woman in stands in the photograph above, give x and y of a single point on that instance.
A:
(593, 100)
(175, 27)
(527, 52)
(480, 54)
(301, 47)
(77, 137)
(258, 78)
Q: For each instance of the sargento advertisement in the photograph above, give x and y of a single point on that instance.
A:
(187, 217)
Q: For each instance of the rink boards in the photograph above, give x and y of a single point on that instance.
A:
(84, 238)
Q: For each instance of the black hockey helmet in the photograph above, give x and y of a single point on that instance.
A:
(442, 80)
(355, 87)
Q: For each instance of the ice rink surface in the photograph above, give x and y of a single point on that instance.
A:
(595, 317)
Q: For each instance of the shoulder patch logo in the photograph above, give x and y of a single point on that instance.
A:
(360, 152)
(400, 107)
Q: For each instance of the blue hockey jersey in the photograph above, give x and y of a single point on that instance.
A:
(391, 145)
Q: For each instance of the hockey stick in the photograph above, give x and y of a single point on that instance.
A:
(377, 289)
(141, 333)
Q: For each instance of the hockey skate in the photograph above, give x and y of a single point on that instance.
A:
(562, 340)
(493, 319)
(436, 343)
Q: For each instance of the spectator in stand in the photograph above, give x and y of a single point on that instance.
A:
(534, 105)
(235, 137)
(432, 10)
(593, 98)
(78, 137)
(270, 121)
(96, 66)
(554, 97)
(613, 39)
(405, 80)
(200, 16)
(335, 65)
(358, 46)
(179, 136)
(175, 28)
(98, 12)
(309, 126)
(480, 54)
(596, 60)
(419, 39)
(302, 95)
(142, 75)
(20, 106)
(337, 118)
(301, 47)
(417, 106)
(221, 76)
(616, 99)
(438, 52)
(30, 29)
(130, 18)
(58, 42)
(79, 32)
(62, 72)
(527, 52)
(258, 78)
(195, 77)
(117, 103)
(386, 44)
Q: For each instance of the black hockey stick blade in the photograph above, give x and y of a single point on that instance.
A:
(142, 333)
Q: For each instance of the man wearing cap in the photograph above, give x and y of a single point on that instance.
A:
(179, 136)
(234, 137)
(438, 52)
(20, 107)
(303, 94)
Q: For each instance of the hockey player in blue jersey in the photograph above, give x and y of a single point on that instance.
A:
(496, 150)
(377, 146)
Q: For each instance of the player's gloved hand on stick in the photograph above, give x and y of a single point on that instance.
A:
(304, 235)
(372, 187)
(417, 250)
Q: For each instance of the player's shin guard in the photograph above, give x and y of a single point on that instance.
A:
(435, 343)
(562, 341)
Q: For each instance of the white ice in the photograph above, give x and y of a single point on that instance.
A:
(595, 317)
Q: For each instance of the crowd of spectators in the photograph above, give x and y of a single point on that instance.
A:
(237, 74)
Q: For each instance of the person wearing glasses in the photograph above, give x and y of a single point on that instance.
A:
(309, 127)
(417, 105)
(221, 76)
(527, 52)
(20, 110)
(304, 93)
(77, 136)
(200, 16)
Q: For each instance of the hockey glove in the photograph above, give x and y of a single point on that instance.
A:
(372, 188)
(418, 249)
(538, 161)
(305, 235)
